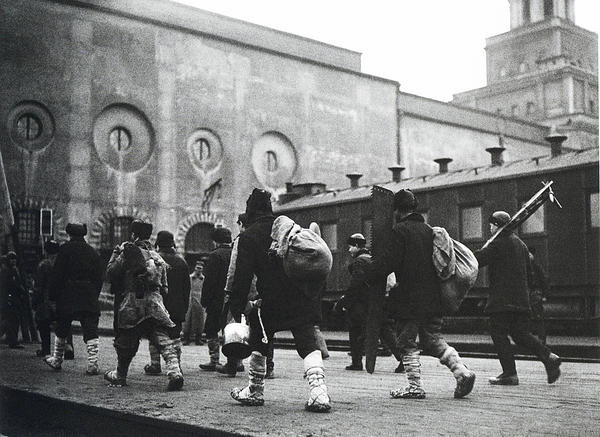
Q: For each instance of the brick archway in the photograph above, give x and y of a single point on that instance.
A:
(103, 222)
(185, 225)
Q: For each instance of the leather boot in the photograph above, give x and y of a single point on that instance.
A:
(465, 378)
(253, 394)
(92, 350)
(56, 359)
(213, 351)
(314, 372)
(412, 366)
(552, 365)
(154, 367)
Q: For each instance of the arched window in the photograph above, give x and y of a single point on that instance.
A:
(271, 161)
(526, 12)
(27, 222)
(530, 108)
(548, 8)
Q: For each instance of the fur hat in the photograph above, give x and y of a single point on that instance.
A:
(258, 201)
(357, 239)
(141, 229)
(76, 229)
(51, 247)
(499, 218)
(405, 200)
(165, 239)
(242, 219)
(11, 255)
(221, 235)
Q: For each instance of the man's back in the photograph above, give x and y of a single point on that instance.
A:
(413, 265)
(508, 261)
(178, 279)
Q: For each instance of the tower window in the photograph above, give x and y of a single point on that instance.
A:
(548, 8)
(530, 108)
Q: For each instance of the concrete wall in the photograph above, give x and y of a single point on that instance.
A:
(172, 90)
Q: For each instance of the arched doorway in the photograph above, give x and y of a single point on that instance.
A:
(198, 242)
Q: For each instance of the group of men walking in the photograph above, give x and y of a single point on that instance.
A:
(516, 284)
(154, 294)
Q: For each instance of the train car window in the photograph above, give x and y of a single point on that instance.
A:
(594, 212)
(536, 223)
(471, 223)
(367, 226)
(329, 234)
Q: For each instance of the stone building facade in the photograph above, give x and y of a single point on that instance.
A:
(116, 110)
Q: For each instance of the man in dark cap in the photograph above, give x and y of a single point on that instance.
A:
(142, 313)
(13, 291)
(177, 301)
(75, 287)
(416, 299)
(508, 302)
(285, 304)
(213, 293)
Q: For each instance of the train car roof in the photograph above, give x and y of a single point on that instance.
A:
(474, 175)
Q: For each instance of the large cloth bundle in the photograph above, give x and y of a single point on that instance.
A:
(457, 268)
(304, 254)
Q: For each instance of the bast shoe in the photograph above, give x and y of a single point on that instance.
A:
(503, 379)
(175, 383)
(552, 365)
(408, 393)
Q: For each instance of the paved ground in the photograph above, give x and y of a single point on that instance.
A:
(361, 402)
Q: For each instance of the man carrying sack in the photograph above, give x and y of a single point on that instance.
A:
(286, 303)
(408, 253)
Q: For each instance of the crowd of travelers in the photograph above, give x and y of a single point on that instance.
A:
(156, 297)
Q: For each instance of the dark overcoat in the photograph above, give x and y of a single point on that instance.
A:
(507, 258)
(408, 254)
(178, 278)
(286, 303)
(76, 278)
(213, 290)
(44, 309)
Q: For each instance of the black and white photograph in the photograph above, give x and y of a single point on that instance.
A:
(299, 218)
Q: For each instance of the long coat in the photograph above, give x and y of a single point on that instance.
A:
(286, 303)
(508, 260)
(76, 278)
(408, 253)
(213, 290)
(178, 278)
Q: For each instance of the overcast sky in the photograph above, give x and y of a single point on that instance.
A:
(434, 48)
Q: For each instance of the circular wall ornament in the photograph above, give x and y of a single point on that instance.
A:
(273, 160)
(204, 149)
(123, 137)
(30, 126)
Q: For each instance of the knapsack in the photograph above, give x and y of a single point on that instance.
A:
(304, 254)
(457, 268)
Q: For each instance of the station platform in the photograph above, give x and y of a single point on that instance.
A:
(38, 401)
